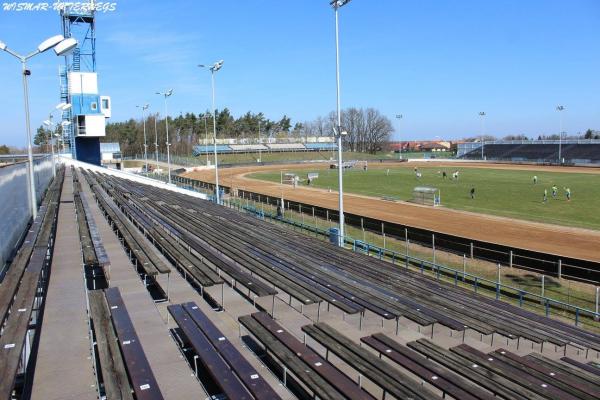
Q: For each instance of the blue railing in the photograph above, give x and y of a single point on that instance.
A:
(476, 282)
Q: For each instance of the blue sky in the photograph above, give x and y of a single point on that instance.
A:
(436, 62)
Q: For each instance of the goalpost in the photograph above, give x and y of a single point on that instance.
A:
(427, 195)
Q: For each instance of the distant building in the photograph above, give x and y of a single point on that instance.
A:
(424, 145)
(110, 154)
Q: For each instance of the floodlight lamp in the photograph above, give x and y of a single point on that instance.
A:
(50, 43)
(169, 92)
(47, 122)
(65, 47)
(482, 113)
(338, 3)
(146, 106)
(2, 45)
(344, 133)
(64, 106)
(560, 108)
(217, 66)
(65, 123)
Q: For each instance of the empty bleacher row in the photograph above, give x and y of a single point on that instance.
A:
(269, 147)
(211, 245)
(22, 290)
(539, 152)
(326, 366)
(312, 272)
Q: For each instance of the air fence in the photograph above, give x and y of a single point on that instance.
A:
(15, 211)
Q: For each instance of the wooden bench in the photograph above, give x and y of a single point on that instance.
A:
(367, 364)
(485, 378)
(234, 375)
(580, 365)
(114, 374)
(316, 374)
(138, 369)
(343, 383)
(563, 381)
(447, 381)
(22, 285)
(545, 387)
(572, 371)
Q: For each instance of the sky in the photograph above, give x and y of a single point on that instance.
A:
(436, 62)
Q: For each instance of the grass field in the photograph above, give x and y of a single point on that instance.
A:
(509, 193)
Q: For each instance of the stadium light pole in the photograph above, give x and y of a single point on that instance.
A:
(482, 115)
(259, 142)
(336, 4)
(399, 117)
(205, 118)
(61, 47)
(166, 94)
(214, 68)
(62, 133)
(144, 108)
(560, 133)
(156, 139)
(49, 123)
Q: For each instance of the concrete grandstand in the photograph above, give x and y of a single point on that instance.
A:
(542, 151)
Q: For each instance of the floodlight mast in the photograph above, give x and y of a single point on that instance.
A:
(166, 94)
(214, 68)
(144, 108)
(50, 123)
(336, 4)
(399, 117)
(482, 115)
(61, 47)
(560, 133)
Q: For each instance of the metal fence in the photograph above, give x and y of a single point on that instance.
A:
(15, 211)
(541, 302)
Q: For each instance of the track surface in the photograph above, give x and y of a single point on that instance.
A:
(552, 239)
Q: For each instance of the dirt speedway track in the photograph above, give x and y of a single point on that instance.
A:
(552, 239)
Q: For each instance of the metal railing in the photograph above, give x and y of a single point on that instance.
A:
(458, 277)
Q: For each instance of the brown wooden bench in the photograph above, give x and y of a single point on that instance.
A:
(142, 379)
(228, 368)
(390, 380)
(442, 378)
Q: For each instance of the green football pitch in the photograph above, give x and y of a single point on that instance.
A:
(503, 192)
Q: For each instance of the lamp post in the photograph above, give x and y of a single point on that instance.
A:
(482, 115)
(166, 94)
(560, 133)
(399, 117)
(61, 47)
(205, 118)
(214, 68)
(156, 140)
(336, 4)
(49, 123)
(259, 142)
(144, 108)
(62, 134)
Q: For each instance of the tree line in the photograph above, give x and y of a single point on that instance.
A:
(367, 130)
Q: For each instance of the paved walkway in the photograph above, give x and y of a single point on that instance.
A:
(174, 377)
(150, 320)
(64, 343)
